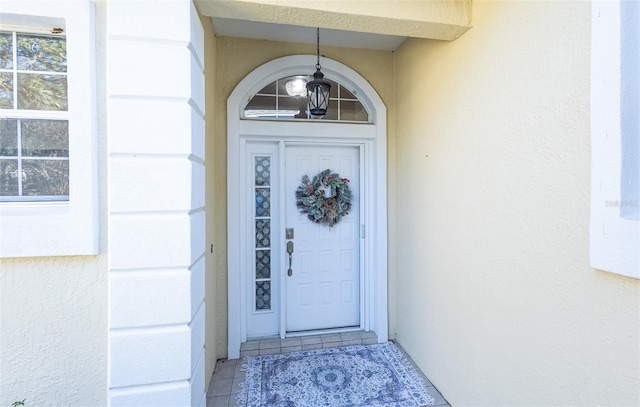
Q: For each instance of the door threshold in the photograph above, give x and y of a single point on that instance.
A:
(295, 334)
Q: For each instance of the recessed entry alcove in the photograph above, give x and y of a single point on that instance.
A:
(273, 142)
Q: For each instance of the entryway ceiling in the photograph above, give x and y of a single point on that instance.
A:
(227, 27)
(381, 24)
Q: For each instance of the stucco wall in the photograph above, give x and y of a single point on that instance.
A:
(497, 302)
(236, 58)
(53, 324)
(212, 201)
(53, 310)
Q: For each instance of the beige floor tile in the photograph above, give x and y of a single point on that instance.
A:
(331, 338)
(288, 349)
(250, 345)
(237, 385)
(269, 344)
(220, 387)
(219, 401)
(309, 340)
(347, 336)
(290, 342)
(238, 372)
(331, 344)
(272, 351)
(249, 353)
(224, 371)
(368, 335)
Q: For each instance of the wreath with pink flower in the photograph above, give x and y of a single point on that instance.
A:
(325, 199)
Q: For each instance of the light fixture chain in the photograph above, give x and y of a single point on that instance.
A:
(318, 47)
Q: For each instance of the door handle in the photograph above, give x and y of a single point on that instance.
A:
(290, 252)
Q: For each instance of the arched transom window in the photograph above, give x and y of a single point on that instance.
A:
(286, 99)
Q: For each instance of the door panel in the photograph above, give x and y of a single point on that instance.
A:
(324, 289)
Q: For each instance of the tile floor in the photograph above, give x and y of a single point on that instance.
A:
(228, 374)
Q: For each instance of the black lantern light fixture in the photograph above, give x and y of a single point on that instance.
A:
(318, 89)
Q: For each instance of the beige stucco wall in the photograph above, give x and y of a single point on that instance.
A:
(445, 20)
(53, 310)
(497, 302)
(236, 58)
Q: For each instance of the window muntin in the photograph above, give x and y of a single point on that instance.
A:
(34, 128)
(275, 101)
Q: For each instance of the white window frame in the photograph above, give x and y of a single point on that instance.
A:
(24, 115)
(614, 239)
(60, 228)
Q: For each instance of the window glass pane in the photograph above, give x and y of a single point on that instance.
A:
(45, 138)
(332, 111)
(293, 86)
(333, 93)
(263, 202)
(263, 295)
(270, 89)
(292, 103)
(42, 53)
(42, 92)
(345, 94)
(6, 51)
(261, 106)
(8, 177)
(263, 233)
(352, 111)
(8, 137)
(6, 90)
(263, 264)
(45, 177)
(263, 171)
(292, 107)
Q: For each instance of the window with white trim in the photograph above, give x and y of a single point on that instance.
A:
(48, 132)
(615, 92)
(34, 125)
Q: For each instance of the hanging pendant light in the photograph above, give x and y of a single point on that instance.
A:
(318, 89)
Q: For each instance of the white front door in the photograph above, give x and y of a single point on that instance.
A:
(323, 290)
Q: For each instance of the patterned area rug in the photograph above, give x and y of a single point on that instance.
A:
(350, 376)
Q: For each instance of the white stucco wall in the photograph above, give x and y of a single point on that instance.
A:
(53, 326)
(214, 253)
(496, 300)
(53, 310)
(157, 220)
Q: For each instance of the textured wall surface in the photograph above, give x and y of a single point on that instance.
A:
(53, 326)
(421, 19)
(235, 59)
(211, 202)
(498, 303)
(53, 310)
(157, 222)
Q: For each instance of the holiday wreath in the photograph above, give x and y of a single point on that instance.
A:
(325, 199)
